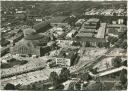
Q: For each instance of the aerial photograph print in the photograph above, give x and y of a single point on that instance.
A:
(63, 45)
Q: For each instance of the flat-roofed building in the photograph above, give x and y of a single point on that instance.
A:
(101, 31)
(115, 29)
(92, 37)
(92, 23)
(89, 35)
(84, 30)
(115, 25)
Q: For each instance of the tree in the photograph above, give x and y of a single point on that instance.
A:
(123, 35)
(117, 86)
(123, 76)
(100, 44)
(120, 35)
(77, 86)
(94, 71)
(85, 77)
(112, 40)
(64, 75)
(122, 85)
(123, 45)
(87, 44)
(117, 44)
(94, 87)
(124, 63)
(71, 20)
(54, 79)
(30, 22)
(122, 42)
(106, 44)
(18, 87)
(116, 62)
(9, 86)
(125, 21)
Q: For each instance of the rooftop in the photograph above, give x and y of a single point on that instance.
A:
(102, 30)
(112, 31)
(93, 20)
(90, 27)
(85, 34)
(122, 29)
(84, 30)
(42, 26)
(116, 25)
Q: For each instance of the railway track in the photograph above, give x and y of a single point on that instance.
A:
(20, 73)
(92, 63)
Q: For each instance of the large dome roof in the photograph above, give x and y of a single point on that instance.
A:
(28, 31)
(42, 26)
(37, 39)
